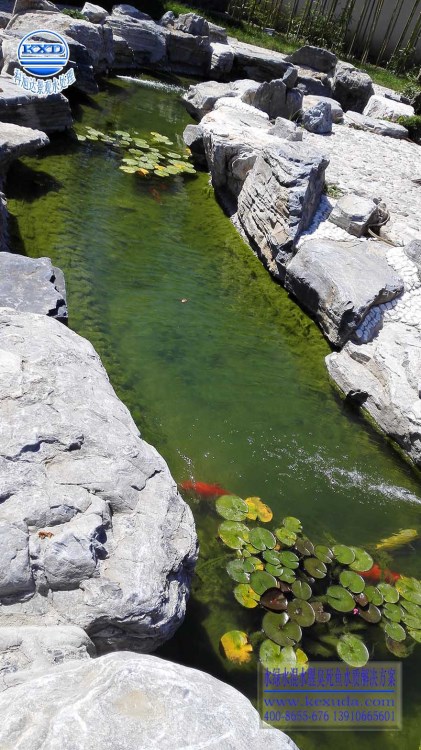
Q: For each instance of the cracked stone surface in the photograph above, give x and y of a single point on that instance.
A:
(104, 540)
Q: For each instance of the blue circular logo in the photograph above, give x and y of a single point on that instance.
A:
(43, 53)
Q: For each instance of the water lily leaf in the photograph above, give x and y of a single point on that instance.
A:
(274, 570)
(410, 589)
(261, 581)
(304, 547)
(320, 614)
(389, 593)
(352, 581)
(370, 614)
(374, 594)
(160, 174)
(257, 509)
(276, 659)
(253, 563)
(352, 650)
(262, 538)
(392, 612)
(279, 630)
(415, 634)
(411, 621)
(233, 534)
(293, 524)
(236, 647)
(231, 507)
(81, 138)
(286, 536)
(397, 648)
(236, 570)
(323, 553)
(361, 599)
(127, 169)
(363, 561)
(143, 172)
(395, 631)
(289, 559)
(314, 567)
(301, 612)
(172, 170)
(272, 557)
(302, 660)
(287, 575)
(274, 600)
(122, 133)
(301, 590)
(413, 609)
(340, 599)
(246, 596)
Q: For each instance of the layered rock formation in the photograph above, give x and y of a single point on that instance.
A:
(32, 285)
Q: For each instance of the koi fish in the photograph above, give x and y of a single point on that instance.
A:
(405, 536)
(376, 574)
(203, 489)
(156, 195)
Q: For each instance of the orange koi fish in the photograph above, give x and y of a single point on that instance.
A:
(203, 489)
(376, 574)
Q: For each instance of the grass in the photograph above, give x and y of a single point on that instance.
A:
(280, 43)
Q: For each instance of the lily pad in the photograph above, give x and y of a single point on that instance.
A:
(256, 508)
(252, 563)
(289, 559)
(275, 659)
(272, 557)
(388, 592)
(279, 630)
(340, 599)
(301, 612)
(397, 648)
(246, 596)
(344, 555)
(231, 507)
(292, 523)
(301, 590)
(352, 650)
(261, 581)
(395, 631)
(262, 538)
(370, 614)
(323, 553)
(374, 594)
(392, 612)
(233, 534)
(304, 547)
(361, 599)
(363, 561)
(286, 536)
(274, 600)
(274, 570)
(287, 575)
(415, 634)
(413, 609)
(409, 589)
(411, 621)
(236, 647)
(352, 581)
(314, 567)
(236, 569)
(302, 660)
(320, 614)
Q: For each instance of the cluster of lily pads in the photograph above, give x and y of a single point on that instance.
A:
(153, 157)
(309, 592)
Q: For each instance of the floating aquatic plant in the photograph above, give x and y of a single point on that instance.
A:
(152, 157)
(313, 596)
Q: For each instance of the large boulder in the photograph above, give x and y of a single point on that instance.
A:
(20, 107)
(257, 63)
(318, 119)
(188, 54)
(94, 13)
(17, 141)
(200, 99)
(191, 23)
(137, 42)
(94, 532)
(384, 377)
(314, 57)
(387, 109)
(129, 10)
(131, 702)
(338, 283)
(336, 109)
(356, 214)
(313, 82)
(32, 285)
(373, 125)
(222, 60)
(278, 200)
(351, 87)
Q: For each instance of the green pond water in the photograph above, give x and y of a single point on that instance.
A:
(230, 387)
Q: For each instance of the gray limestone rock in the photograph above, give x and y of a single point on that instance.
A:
(337, 111)
(278, 200)
(257, 63)
(314, 57)
(326, 278)
(413, 252)
(104, 540)
(355, 214)
(313, 82)
(130, 11)
(137, 42)
(193, 138)
(222, 60)
(94, 13)
(191, 23)
(359, 121)
(318, 119)
(29, 285)
(387, 109)
(351, 87)
(131, 702)
(188, 54)
(167, 19)
(384, 377)
(283, 128)
(17, 141)
(23, 108)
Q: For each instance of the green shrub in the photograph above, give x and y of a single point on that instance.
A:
(74, 13)
(413, 125)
